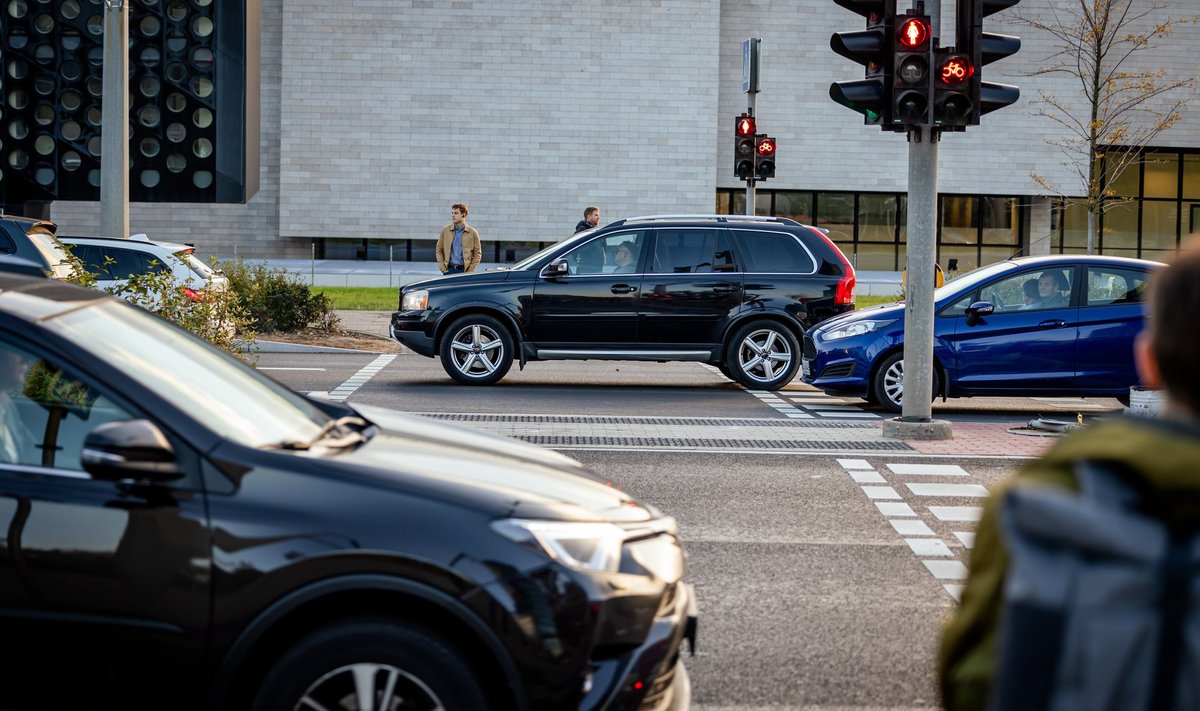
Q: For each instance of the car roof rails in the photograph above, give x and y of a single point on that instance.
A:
(718, 218)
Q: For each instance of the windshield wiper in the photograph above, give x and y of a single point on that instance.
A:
(352, 437)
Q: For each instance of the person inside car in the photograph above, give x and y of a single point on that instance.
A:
(1032, 295)
(1052, 288)
(624, 258)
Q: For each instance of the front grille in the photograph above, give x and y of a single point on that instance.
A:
(658, 690)
(810, 348)
(841, 370)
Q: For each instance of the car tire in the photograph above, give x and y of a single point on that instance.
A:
(763, 355)
(726, 371)
(887, 387)
(476, 350)
(414, 664)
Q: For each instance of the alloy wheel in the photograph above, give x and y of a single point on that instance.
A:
(368, 687)
(477, 350)
(764, 354)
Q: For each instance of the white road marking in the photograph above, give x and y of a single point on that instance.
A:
(854, 464)
(264, 367)
(909, 527)
(880, 492)
(955, 490)
(946, 569)
(927, 469)
(356, 381)
(867, 477)
(929, 547)
(955, 514)
(955, 591)
(894, 508)
(967, 538)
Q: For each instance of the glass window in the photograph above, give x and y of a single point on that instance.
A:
(1120, 227)
(796, 205)
(511, 252)
(878, 257)
(723, 200)
(1162, 175)
(423, 250)
(963, 258)
(1159, 223)
(959, 220)
(774, 252)
(835, 212)
(723, 260)
(684, 251)
(1123, 173)
(124, 263)
(1073, 219)
(346, 249)
(1108, 285)
(1191, 176)
(1191, 224)
(877, 218)
(1001, 220)
(92, 260)
(1030, 291)
(618, 253)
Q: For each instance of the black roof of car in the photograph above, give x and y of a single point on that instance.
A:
(46, 291)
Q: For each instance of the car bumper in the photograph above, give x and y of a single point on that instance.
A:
(837, 371)
(415, 330)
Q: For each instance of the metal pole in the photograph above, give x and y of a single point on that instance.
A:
(114, 118)
(752, 98)
(312, 265)
(391, 256)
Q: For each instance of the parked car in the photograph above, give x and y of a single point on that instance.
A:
(114, 260)
(17, 265)
(182, 532)
(1058, 325)
(736, 292)
(31, 240)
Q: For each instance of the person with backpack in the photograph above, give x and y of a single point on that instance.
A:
(1085, 574)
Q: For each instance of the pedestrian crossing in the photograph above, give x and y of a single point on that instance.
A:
(911, 497)
(810, 405)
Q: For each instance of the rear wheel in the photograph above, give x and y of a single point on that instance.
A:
(476, 350)
(888, 385)
(763, 355)
(368, 665)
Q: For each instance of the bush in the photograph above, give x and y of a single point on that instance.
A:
(275, 301)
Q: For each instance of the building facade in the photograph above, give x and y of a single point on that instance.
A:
(377, 115)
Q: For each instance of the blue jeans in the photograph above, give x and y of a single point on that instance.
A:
(453, 269)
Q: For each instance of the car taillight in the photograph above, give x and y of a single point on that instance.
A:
(843, 294)
(195, 295)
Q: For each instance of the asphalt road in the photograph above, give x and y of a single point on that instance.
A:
(822, 578)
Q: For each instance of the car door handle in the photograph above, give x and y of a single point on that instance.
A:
(623, 289)
(1053, 323)
(724, 288)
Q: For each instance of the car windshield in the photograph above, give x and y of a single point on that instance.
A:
(968, 280)
(218, 390)
(530, 261)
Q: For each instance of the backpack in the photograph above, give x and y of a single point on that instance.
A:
(1100, 605)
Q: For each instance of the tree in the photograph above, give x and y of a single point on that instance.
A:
(1126, 105)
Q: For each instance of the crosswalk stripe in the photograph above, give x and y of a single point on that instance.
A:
(956, 514)
(954, 490)
(927, 469)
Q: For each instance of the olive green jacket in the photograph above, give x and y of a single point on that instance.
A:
(1164, 455)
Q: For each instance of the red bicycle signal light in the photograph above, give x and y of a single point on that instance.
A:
(746, 126)
(955, 69)
(914, 33)
(766, 147)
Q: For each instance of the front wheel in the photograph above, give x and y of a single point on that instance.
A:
(888, 384)
(763, 355)
(476, 350)
(367, 665)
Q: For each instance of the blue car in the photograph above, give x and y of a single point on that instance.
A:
(1056, 325)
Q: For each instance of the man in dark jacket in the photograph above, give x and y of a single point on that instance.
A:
(1160, 455)
(591, 218)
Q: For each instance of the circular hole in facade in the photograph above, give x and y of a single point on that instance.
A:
(71, 161)
(44, 84)
(94, 116)
(44, 54)
(202, 57)
(70, 9)
(44, 24)
(176, 102)
(18, 160)
(18, 129)
(203, 3)
(149, 116)
(203, 86)
(95, 25)
(18, 69)
(176, 72)
(71, 40)
(176, 163)
(202, 148)
(150, 57)
(71, 130)
(149, 147)
(44, 145)
(176, 132)
(202, 179)
(149, 178)
(94, 178)
(96, 56)
(94, 145)
(17, 9)
(44, 114)
(17, 39)
(176, 11)
(202, 26)
(18, 99)
(95, 86)
(149, 26)
(71, 100)
(149, 86)
(44, 176)
(203, 118)
(71, 71)
(176, 44)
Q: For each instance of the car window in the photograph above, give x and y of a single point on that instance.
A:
(685, 251)
(1030, 291)
(618, 253)
(1110, 285)
(126, 262)
(45, 412)
(6, 244)
(92, 258)
(774, 252)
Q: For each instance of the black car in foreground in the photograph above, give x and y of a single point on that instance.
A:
(181, 532)
(736, 292)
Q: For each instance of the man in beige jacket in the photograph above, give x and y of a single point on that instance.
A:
(458, 248)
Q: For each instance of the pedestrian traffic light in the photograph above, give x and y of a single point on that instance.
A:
(983, 48)
(952, 102)
(743, 147)
(871, 48)
(910, 85)
(764, 157)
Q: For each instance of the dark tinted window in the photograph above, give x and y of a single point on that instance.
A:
(689, 250)
(92, 259)
(777, 252)
(125, 263)
(6, 244)
(1109, 285)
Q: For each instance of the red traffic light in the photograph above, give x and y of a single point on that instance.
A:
(766, 147)
(914, 33)
(745, 126)
(955, 69)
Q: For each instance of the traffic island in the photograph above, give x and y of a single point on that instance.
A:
(922, 429)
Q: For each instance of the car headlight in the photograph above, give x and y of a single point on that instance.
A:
(414, 300)
(585, 546)
(856, 328)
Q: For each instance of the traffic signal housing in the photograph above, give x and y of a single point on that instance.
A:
(953, 104)
(744, 148)
(983, 48)
(871, 48)
(764, 157)
(911, 60)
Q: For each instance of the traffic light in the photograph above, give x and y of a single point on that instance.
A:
(743, 147)
(953, 105)
(871, 48)
(983, 48)
(910, 85)
(764, 157)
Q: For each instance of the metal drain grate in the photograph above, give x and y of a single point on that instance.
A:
(714, 443)
(662, 421)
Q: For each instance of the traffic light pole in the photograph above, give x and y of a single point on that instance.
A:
(751, 106)
(114, 119)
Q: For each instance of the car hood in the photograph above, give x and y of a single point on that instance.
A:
(491, 276)
(882, 311)
(500, 474)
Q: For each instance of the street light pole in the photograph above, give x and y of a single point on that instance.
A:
(114, 119)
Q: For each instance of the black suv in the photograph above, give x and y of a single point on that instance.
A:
(181, 532)
(734, 292)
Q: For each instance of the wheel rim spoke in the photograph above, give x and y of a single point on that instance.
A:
(492, 345)
(475, 339)
(308, 702)
(364, 686)
(461, 347)
(489, 366)
(468, 363)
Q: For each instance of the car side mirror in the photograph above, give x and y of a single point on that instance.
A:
(978, 310)
(557, 268)
(129, 449)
